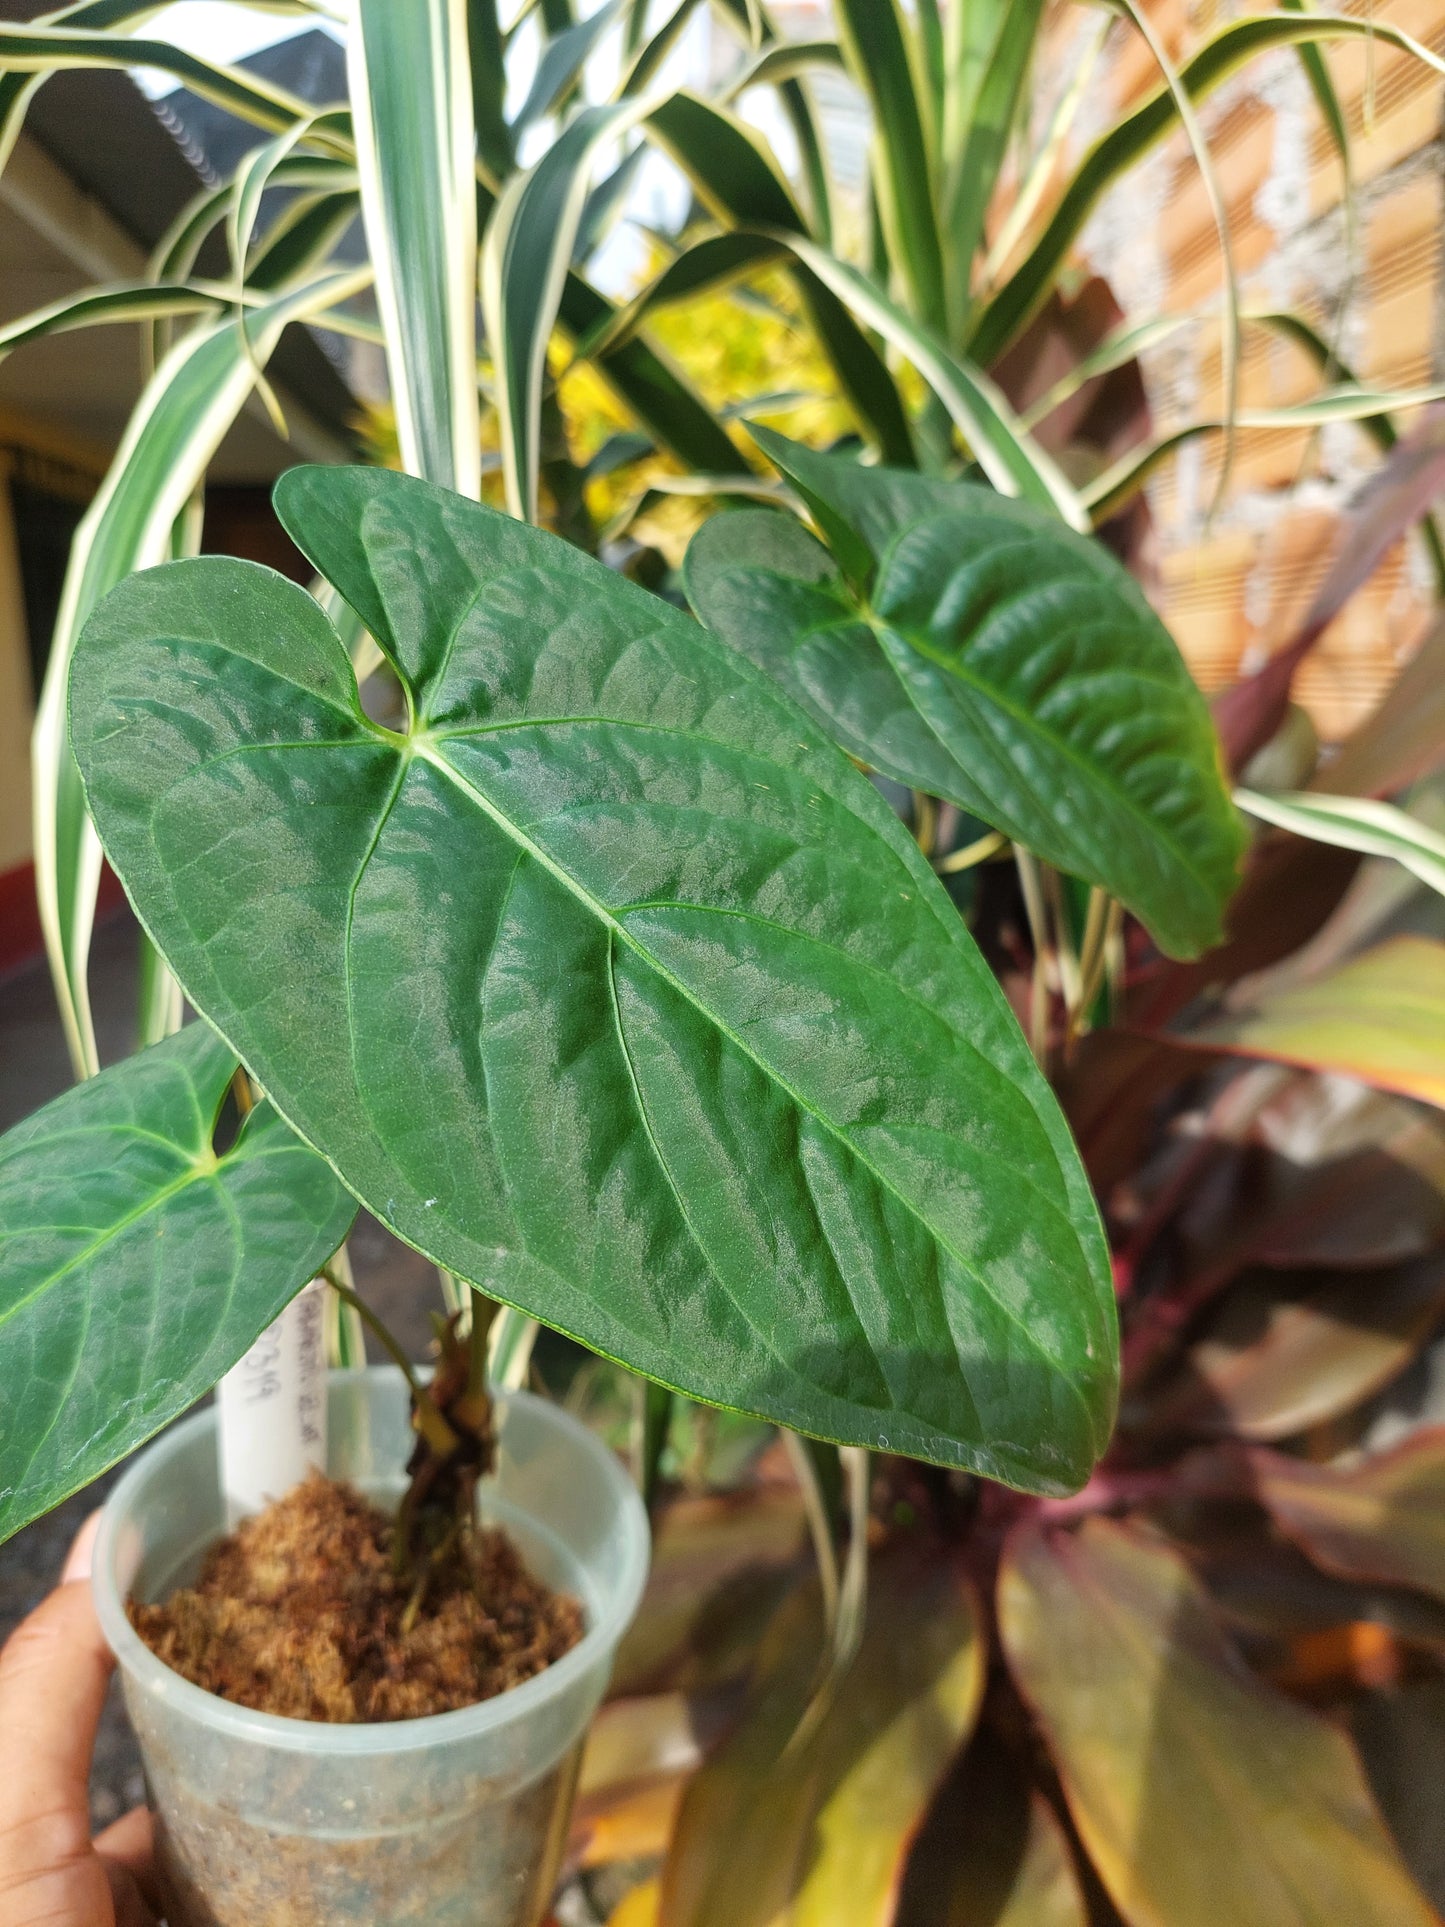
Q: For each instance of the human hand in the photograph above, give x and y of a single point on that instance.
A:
(54, 1670)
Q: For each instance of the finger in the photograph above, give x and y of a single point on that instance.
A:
(128, 1907)
(78, 1559)
(126, 1850)
(129, 1843)
(52, 1685)
(53, 1675)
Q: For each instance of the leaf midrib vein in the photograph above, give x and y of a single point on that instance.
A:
(666, 1169)
(605, 916)
(862, 963)
(1030, 725)
(193, 1174)
(844, 615)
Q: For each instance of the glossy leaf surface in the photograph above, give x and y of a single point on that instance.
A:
(1201, 1794)
(820, 1836)
(611, 986)
(1383, 1518)
(136, 1264)
(996, 660)
(1380, 1017)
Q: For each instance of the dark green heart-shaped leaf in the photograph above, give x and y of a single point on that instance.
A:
(610, 984)
(973, 647)
(136, 1264)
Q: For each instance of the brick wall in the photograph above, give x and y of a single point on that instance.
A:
(1230, 584)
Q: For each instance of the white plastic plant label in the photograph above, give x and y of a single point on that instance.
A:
(272, 1408)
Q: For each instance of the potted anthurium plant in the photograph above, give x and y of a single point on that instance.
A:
(591, 953)
(606, 979)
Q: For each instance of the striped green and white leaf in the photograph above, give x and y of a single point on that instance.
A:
(529, 244)
(1007, 454)
(411, 101)
(738, 180)
(650, 388)
(124, 301)
(561, 62)
(700, 269)
(974, 154)
(551, 977)
(783, 60)
(1370, 407)
(1123, 345)
(138, 1262)
(261, 169)
(174, 255)
(648, 59)
(43, 48)
(1355, 823)
(177, 426)
(882, 58)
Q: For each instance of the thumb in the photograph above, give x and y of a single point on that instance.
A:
(54, 1671)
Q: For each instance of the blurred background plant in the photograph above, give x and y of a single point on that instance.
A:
(1189, 1693)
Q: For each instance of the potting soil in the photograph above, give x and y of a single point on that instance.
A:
(300, 1612)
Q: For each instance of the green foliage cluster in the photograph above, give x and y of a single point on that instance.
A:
(855, 1004)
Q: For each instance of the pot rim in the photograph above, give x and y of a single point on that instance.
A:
(517, 1703)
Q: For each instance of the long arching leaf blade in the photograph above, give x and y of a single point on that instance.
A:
(1011, 459)
(177, 425)
(411, 98)
(1355, 823)
(124, 301)
(53, 49)
(876, 41)
(529, 244)
(1128, 140)
(738, 182)
(1200, 1793)
(1380, 1018)
(971, 176)
(657, 395)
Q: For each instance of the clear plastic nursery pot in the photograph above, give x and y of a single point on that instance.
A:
(457, 1820)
